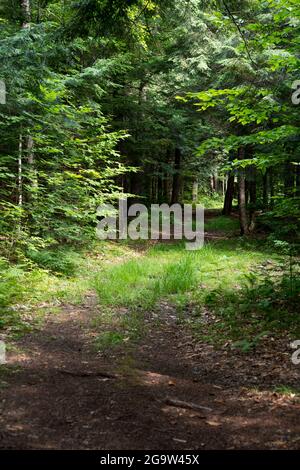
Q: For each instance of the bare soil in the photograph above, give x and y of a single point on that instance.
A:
(167, 391)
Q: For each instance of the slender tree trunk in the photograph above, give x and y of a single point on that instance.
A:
(252, 197)
(288, 179)
(160, 188)
(195, 191)
(167, 189)
(265, 190)
(212, 185)
(242, 197)
(25, 6)
(167, 178)
(26, 13)
(271, 186)
(297, 193)
(20, 170)
(154, 189)
(242, 203)
(177, 177)
(215, 183)
(227, 209)
(32, 173)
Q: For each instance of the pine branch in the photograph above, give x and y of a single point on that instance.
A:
(231, 16)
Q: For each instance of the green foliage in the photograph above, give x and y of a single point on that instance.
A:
(108, 339)
(59, 158)
(143, 282)
(177, 278)
(12, 288)
(264, 305)
(98, 104)
(214, 201)
(59, 261)
(222, 224)
(250, 103)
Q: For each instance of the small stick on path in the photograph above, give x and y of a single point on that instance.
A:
(188, 405)
(106, 375)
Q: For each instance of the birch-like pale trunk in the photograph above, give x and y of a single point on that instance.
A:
(195, 191)
(242, 197)
(25, 6)
(26, 13)
(20, 171)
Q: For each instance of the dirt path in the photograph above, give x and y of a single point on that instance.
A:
(64, 396)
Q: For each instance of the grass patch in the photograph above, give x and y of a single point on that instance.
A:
(222, 224)
(117, 328)
(168, 271)
(287, 391)
(143, 281)
(265, 301)
(132, 278)
(214, 201)
(28, 291)
(108, 340)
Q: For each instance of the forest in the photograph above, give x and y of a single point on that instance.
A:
(136, 344)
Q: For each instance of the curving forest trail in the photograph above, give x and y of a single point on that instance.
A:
(166, 390)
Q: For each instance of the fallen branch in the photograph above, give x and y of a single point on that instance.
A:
(188, 405)
(106, 375)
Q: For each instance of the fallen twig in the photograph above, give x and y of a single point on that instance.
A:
(185, 404)
(106, 375)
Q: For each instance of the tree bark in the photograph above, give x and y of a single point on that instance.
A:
(288, 179)
(227, 208)
(25, 7)
(212, 185)
(160, 188)
(252, 197)
(20, 171)
(195, 191)
(271, 186)
(26, 13)
(242, 204)
(176, 177)
(297, 193)
(242, 197)
(265, 190)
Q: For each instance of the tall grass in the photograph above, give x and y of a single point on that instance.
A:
(142, 281)
(222, 224)
(167, 270)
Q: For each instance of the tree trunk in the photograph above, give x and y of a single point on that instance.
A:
(242, 203)
(26, 13)
(227, 209)
(297, 193)
(195, 191)
(265, 190)
(32, 172)
(26, 18)
(160, 188)
(252, 197)
(177, 177)
(215, 183)
(20, 171)
(271, 186)
(25, 7)
(167, 178)
(288, 179)
(242, 197)
(212, 185)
